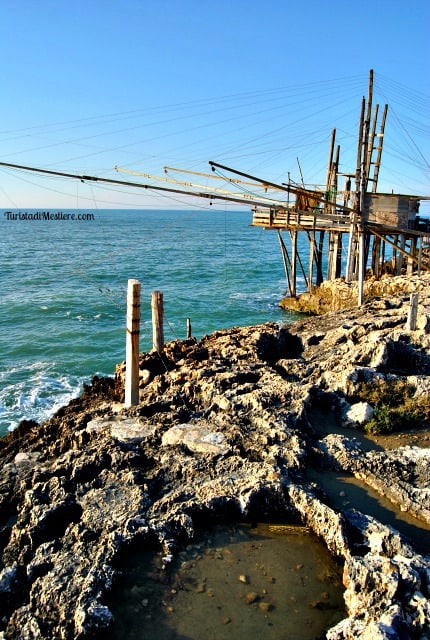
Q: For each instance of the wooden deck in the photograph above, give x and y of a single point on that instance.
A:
(293, 220)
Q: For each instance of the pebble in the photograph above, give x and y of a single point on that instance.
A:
(251, 597)
(265, 607)
(244, 579)
(201, 587)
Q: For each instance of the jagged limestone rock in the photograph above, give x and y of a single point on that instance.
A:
(97, 477)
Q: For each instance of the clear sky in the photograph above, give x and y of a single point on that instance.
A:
(259, 86)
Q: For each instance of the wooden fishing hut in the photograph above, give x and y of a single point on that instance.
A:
(355, 221)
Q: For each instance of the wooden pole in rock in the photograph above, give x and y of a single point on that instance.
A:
(157, 321)
(189, 333)
(294, 264)
(361, 267)
(411, 324)
(132, 344)
(420, 256)
(410, 265)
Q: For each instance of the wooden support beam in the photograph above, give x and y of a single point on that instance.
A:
(305, 277)
(410, 261)
(294, 255)
(334, 267)
(311, 259)
(319, 258)
(405, 253)
(132, 344)
(376, 256)
(399, 258)
(338, 251)
(157, 321)
(351, 268)
(287, 262)
(420, 256)
(330, 258)
(361, 267)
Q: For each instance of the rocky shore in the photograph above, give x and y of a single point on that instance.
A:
(334, 295)
(225, 431)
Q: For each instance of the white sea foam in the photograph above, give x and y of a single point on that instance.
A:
(36, 397)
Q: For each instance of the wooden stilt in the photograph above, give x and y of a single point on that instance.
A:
(366, 248)
(338, 252)
(332, 255)
(311, 259)
(376, 248)
(157, 321)
(410, 262)
(383, 254)
(394, 254)
(399, 261)
(286, 261)
(302, 269)
(132, 344)
(319, 258)
(353, 250)
(361, 267)
(293, 263)
(420, 256)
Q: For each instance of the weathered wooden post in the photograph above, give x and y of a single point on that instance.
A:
(361, 267)
(132, 344)
(420, 256)
(157, 321)
(189, 329)
(412, 254)
(411, 323)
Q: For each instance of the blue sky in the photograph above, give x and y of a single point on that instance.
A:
(258, 86)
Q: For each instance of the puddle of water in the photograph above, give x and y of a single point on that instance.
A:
(324, 422)
(237, 582)
(347, 492)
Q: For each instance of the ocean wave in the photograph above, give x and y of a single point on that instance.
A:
(37, 396)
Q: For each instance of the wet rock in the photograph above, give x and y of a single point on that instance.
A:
(402, 475)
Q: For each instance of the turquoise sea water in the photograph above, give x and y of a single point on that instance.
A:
(63, 286)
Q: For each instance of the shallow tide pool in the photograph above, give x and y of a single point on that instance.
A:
(276, 582)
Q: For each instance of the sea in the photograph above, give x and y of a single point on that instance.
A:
(63, 287)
